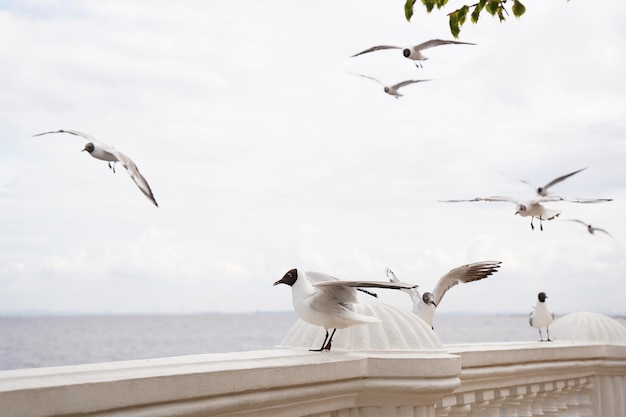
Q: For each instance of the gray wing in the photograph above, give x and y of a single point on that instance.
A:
(365, 284)
(465, 273)
(413, 293)
(134, 173)
(331, 294)
(376, 48)
(103, 146)
(587, 225)
(597, 229)
(492, 198)
(437, 42)
(407, 82)
(548, 199)
(367, 76)
(71, 132)
(586, 200)
(577, 221)
(561, 178)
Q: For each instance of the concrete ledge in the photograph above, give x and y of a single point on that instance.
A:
(258, 383)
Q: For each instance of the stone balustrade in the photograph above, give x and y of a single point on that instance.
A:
(562, 378)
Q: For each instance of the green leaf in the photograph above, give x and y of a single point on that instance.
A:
(477, 9)
(501, 12)
(408, 9)
(492, 6)
(462, 14)
(454, 24)
(441, 3)
(518, 8)
(428, 3)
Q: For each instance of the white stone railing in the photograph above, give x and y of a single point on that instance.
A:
(551, 379)
(513, 379)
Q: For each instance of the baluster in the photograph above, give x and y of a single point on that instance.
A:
(571, 401)
(584, 398)
(550, 404)
(512, 403)
(481, 403)
(493, 409)
(537, 406)
(423, 411)
(441, 411)
(525, 408)
(444, 406)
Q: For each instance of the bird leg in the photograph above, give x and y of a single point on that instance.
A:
(112, 166)
(330, 340)
(540, 335)
(548, 332)
(532, 226)
(323, 343)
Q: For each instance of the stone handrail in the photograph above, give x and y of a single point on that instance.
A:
(510, 379)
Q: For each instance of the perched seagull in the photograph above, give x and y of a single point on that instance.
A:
(590, 228)
(392, 90)
(543, 191)
(541, 316)
(326, 301)
(414, 53)
(108, 153)
(533, 208)
(425, 305)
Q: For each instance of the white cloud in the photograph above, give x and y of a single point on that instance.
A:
(264, 154)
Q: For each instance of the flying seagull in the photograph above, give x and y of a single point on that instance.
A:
(541, 316)
(590, 228)
(392, 90)
(108, 153)
(425, 305)
(543, 191)
(326, 301)
(534, 208)
(414, 53)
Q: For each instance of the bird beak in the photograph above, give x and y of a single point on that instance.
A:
(280, 281)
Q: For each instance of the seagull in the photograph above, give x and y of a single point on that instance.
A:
(425, 305)
(541, 316)
(414, 53)
(590, 228)
(326, 301)
(108, 153)
(533, 208)
(392, 90)
(543, 191)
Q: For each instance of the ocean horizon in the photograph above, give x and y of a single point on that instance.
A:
(33, 339)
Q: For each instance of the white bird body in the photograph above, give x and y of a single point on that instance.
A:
(105, 152)
(425, 306)
(541, 316)
(543, 190)
(414, 52)
(589, 227)
(330, 309)
(328, 302)
(392, 90)
(534, 208)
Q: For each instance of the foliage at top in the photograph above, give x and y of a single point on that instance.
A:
(459, 16)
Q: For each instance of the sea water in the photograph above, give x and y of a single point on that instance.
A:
(41, 341)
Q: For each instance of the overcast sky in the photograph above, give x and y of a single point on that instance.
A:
(265, 153)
